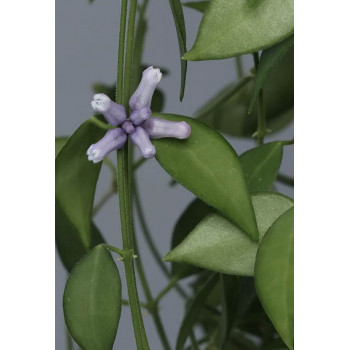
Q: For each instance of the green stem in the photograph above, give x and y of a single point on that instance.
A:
(127, 303)
(194, 343)
(287, 143)
(114, 249)
(285, 179)
(105, 198)
(122, 94)
(100, 124)
(262, 131)
(223, 97)
(172, 283)
(239, 66)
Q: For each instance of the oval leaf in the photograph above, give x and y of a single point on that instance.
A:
(76, 179)
(179, 19)
(269, 59)
(231, 116)
(274, 275)
(92, 301)
(208, 166)
(261, 165)
(59, 143)
(232, 28)
(189, 219)
(194, 310)
(218, 245)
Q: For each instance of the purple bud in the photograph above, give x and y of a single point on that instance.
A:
(142, 97)
(114, 139)
(139, 116)
(128, 127)
(158, 128)
(141, 140)
(114, 114)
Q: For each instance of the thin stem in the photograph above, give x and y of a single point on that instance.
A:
(172, 283)
(114, 249)
(127, 303)
(287, 143)
(100, 124)
(239, 66)
(194, 343)
(138, 163)
(223, 97)
(261, 132)
(285, 179)
(105, 198)
(122, 94)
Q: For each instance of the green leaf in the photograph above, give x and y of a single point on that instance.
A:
(92, 301)
(194, 311)
(197, 5)
(261, 165)
(59, 143)
(188, 220)
(217, 245)
(231, 116)
(157, 103)
(274, 275)
(76, 179)
(178, 15)
(68, 241)
(208, 166)
(269, 59)
(232, 28)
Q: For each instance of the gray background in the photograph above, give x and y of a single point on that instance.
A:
(86, 52)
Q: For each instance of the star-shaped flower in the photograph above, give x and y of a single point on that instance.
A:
(140, 126)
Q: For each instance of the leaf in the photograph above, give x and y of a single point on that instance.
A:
(232, 117)
(188, 220)
(232, 28)
(261, 165)
(157, 103)
(76, 179)
(194, 310)
(274, 275)
(68, 241)
(208, 166)
(217, 245)
(178, 15)
(269, 59)
(197, 5)
(92, 301)
(59, 143)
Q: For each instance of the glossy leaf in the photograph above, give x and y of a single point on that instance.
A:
(76, 179)
(188, 220)
(179, 19)
(217, 245)
(59, 143)
(268, 61)
(194, 310)
(197, 5)
(208, 166)
(274, 275)
(157, 103)
(69, 244)
(232, 117)
(232, 28)
(92, 301)
(261, 165)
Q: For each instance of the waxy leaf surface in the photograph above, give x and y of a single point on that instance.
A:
(218, 245)
(76, 179)
(274, 275)
(179, 19)
(208, 166)
(261, 165)
(232, 117)
(268, 61)
(233, 27)
(92, 301)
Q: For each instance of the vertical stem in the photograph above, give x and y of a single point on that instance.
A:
(239, 66)
(124, 175)
(261, 113)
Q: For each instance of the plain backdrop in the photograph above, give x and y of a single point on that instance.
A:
(86, 53)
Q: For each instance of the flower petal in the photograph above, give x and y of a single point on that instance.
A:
(142, 97)
(158, 128)
(114, 113)
(141, 115)
(141, 140)
(113, 140)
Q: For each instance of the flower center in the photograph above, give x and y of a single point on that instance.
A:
(128, 127)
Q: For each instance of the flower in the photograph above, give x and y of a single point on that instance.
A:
(140, 126)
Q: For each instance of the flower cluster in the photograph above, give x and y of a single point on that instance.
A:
(140, 126)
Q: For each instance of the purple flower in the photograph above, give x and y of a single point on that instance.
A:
(140, 126)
